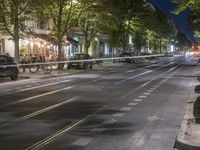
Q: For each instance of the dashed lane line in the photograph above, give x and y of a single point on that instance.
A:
(98, 130)
(147, 93)
(150, 91)
(146, 72)
(138, 100)
(52, 137)
(82, 142)
(132, 104)
(109, 121)
(143, 96)
(118, 114)
(126, 108)
(119, 82)
(130, 71)
(28, 86)
(156, 86)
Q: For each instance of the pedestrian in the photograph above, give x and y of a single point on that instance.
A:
(26, 61)
(22, 61)
(50, 57)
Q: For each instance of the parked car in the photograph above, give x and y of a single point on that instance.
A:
(127, 54)
(75, 61)
(169, 54)
(6, 70)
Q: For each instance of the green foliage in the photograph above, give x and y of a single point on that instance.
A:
(183, 4)
(12, 16)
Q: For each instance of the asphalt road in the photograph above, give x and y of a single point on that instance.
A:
(126, 107)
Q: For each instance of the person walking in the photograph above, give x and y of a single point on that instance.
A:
(22, 61)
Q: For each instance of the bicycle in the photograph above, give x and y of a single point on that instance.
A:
(46, 68)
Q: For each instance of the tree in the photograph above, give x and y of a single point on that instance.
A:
(65, 14)
(96, 19)
(12, 15)
(195, 12)
(185, 3)
(127, 14)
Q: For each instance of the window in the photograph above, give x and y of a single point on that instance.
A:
(3, 60)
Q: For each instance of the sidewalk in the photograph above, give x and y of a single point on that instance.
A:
(189, 134)
(56, 73)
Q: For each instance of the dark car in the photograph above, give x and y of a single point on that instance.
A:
(6, 68)
(76, 61)
(169, 54)
(127, 59)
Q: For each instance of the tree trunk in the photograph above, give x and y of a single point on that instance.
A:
(60, 38)
(87, 46)
(60, 55)
(126, 36)
(160, 45)
(16, 32)
(16, 41)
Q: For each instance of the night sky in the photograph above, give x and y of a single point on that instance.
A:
(180, 20)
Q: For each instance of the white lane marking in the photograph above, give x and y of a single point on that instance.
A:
(126, 108)
(31, 88)
(147, 73)
(133, 77)
(138, 100)
(55, 135)
(52, 137)
(140, 74)
(153, 88)
(82, 141)
(142, 96)
(7, 90)
(27, 86)
(147, 93)
(150, 91)
(118, 114)
(137, 138)
(130, 71)
(156, 86)
(98, 130)
(152, 118)
(37, 96)
(132, 104)
(45, 110)
(110, 121)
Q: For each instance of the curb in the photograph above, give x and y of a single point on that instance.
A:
(181, 143)
(53, 75)
(43, 76)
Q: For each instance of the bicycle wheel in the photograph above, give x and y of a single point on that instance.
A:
(33, 68)
(47, 69)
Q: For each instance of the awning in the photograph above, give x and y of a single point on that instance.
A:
(50, 40)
